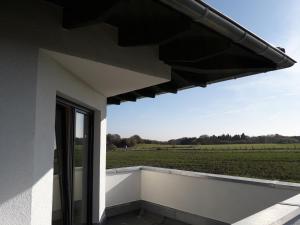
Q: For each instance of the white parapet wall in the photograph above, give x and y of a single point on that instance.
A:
(223, 198)
(232, 200)
(280, 213)
(123, 188)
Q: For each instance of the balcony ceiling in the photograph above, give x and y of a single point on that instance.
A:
(201, 45)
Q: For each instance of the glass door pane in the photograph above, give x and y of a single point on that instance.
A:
(72, 178)
(57, 215)
(61, 210)
(80, 168)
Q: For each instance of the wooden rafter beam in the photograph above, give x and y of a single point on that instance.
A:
(166, 88)
(192, 50)
(82, 13)
(146, 93)
(148, 22)
(188, 79)
(113, 101)
(131, 97)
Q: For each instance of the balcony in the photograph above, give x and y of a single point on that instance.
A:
(148, 195)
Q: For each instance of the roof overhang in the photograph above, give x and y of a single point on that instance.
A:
(201, 45)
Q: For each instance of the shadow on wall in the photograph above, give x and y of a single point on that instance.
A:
(17, 132)
(123, 188)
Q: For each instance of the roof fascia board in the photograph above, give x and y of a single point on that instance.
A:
(206, 15)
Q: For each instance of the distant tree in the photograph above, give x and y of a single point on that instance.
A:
(243, 136)
(136, 139)
(115, 141)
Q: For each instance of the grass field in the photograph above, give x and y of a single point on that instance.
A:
(268, 161)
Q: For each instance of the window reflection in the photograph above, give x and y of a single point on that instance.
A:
(80, 169)
(71, 158)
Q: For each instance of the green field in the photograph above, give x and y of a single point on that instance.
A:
(268, 161)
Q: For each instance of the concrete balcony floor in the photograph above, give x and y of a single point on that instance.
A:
(141, 218)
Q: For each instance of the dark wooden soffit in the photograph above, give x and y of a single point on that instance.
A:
(197, 54)
(181, 80)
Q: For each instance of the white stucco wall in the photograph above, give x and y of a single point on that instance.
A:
(107, 79)
(30, 82)
(17, 115)
(53, 80)
(222, 198)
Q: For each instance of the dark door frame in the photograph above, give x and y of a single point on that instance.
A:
(67, 170)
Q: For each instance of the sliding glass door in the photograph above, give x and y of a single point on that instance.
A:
(72, 180)
(81, 168)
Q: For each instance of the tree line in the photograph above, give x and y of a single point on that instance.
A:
(116, 141)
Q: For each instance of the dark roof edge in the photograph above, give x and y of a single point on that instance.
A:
(202, 13)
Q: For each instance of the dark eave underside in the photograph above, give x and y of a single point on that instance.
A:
(199, 44)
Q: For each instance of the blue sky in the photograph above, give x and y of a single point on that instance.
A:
(261, 104)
